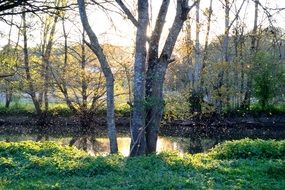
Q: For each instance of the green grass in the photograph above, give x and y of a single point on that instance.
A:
(17, 109)
(27, 108)
(256, 110)
(271, 109)
(55, 108)
(244, 164)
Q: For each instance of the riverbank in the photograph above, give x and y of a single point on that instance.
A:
(265, 127)
(244, 164)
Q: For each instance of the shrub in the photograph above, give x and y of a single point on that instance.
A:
(176, 107)
(248, 148)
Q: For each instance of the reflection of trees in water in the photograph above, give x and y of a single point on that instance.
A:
(171, 144)
(95, 146)
(43, 125)
(101, 146)
(18, 138)
(89, 144)
(42, 137)
(198, 145)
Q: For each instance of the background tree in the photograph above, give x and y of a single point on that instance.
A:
(98, 51)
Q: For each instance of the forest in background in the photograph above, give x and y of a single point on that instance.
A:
(53, 60)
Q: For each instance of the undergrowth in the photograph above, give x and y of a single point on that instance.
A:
(243, 164)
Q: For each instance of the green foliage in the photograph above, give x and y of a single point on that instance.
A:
(271, 109)
(34, 165)
(59, 109)
(17, 108)
(122, 110)
(27, 108)
(248, 148)
(266, 78)
(8, 60)
(176, 107)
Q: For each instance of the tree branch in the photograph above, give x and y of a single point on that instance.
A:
(127, 12)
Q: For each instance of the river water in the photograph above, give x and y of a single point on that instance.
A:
(100, 146)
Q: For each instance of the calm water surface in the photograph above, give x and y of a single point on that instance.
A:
(100, 146)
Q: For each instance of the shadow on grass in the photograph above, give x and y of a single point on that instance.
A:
(33, 165)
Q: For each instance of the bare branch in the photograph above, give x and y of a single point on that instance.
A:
(127, 12)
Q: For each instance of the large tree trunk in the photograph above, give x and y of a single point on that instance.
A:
(157, 66)
(138, 143)
(98, 51)
(154, 82)
(156, 106)
(154, 87)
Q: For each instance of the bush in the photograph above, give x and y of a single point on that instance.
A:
(122, 110)
(176, 107)
(17, 109)
(248, 148)
(59, 109)
(271, 109)
(267, 78)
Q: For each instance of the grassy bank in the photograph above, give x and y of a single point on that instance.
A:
(244, 164)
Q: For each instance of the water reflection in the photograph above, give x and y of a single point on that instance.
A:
(100, 146)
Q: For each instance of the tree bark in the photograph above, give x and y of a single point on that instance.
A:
(32, 92)
(98, 51)
(196, 97)
(138, 141)
(253, 49)
(46, 61)
(225, 45)
(157, 76)
(156, 70)
(198, 61)
(84, 84)
(155, 105)
(62, 82)
(8, 97)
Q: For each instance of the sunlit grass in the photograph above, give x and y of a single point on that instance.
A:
(244, 164)
(271, 109)
(55, 108)
(27, 108)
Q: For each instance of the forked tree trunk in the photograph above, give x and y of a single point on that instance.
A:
(154, 83)
(157, 76)
(98, 51)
